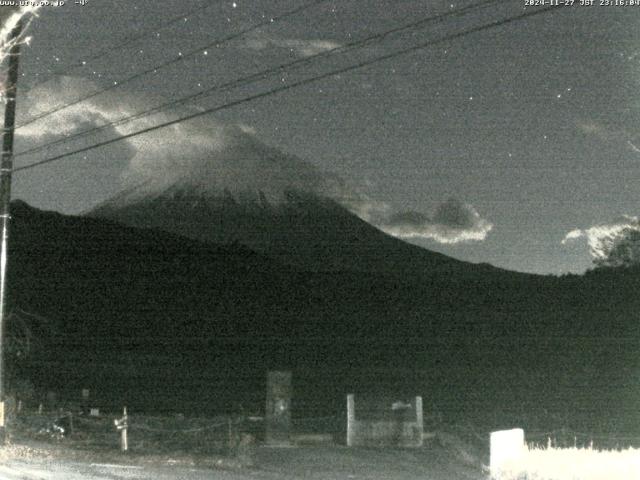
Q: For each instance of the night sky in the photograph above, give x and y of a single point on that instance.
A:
(529, 130)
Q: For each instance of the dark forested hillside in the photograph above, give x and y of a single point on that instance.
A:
(164, 322)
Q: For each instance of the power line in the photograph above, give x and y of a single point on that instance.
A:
(127, 41)
(260, 75)
(173, 61)
(365, 63)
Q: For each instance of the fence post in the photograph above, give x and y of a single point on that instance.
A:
(351, 419)
(84, 405)
(231, 443)
(124, 439)
(71, 426)
(122, 424)
(507, 449)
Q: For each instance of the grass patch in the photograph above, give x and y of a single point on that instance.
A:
(550, 463)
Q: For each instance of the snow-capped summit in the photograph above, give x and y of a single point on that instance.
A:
(230, 161)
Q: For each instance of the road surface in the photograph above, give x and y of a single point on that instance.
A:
(314, 463)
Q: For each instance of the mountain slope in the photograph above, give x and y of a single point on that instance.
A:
(304, 230)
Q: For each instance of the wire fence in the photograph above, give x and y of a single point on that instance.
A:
(146, 434)
(149, 434)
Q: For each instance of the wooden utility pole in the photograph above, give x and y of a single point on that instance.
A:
(6, 167)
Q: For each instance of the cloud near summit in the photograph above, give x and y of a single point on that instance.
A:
(452, 222)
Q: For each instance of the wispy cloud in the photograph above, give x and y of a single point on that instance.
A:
(300, 47)
(609, 133)
(572, 235)
(203, 152)
(452, 222)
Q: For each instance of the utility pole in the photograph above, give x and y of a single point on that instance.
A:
(6, 168)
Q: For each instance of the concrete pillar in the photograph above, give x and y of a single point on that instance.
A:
(278, 409)
(419, 421)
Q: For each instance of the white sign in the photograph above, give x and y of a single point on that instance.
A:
(507, 449)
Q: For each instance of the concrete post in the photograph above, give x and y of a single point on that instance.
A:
(419, 421)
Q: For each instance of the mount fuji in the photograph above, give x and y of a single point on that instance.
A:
(242, 190)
